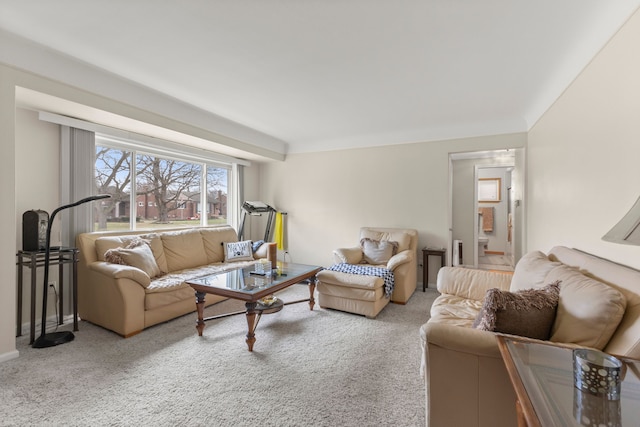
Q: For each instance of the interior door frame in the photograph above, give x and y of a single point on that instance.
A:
(483, 155)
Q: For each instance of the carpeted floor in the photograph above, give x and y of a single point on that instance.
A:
(320, 368)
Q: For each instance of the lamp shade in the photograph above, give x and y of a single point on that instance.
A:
(627, 230)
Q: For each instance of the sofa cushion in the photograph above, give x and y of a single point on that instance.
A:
(139, 256)
(213, 238)
(528, 313)
(455, 310)
(377, 252)
(238, 251)
(531, 271)
(349, 280)
(183, 249)
(589, 311)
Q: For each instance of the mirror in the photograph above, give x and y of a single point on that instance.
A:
(489, 189)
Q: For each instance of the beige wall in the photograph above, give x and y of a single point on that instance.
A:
(584, 154)
(37, 178)
(7, 216)
(330, 195)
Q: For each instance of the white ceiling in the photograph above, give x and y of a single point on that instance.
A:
(327, 74)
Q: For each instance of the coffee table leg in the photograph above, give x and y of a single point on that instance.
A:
(200, 308)
(312, 289)
(253, 317)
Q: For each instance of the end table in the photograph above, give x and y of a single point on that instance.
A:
(33, 260)
(426, 252)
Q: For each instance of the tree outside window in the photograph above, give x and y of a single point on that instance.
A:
(167, 191)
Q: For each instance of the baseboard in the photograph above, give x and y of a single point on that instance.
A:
(51, 320)
(9, 355)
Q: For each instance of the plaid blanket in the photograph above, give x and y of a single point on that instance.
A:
(367, 270)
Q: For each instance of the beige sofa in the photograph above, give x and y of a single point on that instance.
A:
(125, 299)
(465, 378)
(362, 294)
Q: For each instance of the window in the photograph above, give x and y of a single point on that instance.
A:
(163, 190)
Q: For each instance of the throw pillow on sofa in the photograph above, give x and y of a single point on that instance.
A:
(103, 244)
(528, 313)
(238, 251)
(139, 256)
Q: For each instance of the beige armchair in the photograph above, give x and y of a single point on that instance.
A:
(364, 294)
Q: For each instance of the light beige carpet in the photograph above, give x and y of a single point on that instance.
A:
(320, 368)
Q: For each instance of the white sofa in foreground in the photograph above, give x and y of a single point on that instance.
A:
(465, 378)
(126, 299)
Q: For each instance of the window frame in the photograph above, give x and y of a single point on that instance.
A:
(175, 151)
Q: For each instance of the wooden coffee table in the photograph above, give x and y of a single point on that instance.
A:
(242, 284)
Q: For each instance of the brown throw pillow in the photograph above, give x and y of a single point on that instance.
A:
(377, 252)
(527, 313)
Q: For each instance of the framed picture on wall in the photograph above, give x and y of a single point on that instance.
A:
(489, 189)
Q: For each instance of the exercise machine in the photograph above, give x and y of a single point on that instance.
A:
(256, 209)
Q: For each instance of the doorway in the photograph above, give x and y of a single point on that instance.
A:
(486, 208)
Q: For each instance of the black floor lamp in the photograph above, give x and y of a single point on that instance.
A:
(55, 338)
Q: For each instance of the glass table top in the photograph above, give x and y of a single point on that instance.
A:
(546, 372)
(244, 280)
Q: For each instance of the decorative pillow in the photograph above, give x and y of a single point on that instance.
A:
(238, 251)
(528, 313)
(377, 252)
(401, 237)
(114, 256)
(103, 244)
(139, 256)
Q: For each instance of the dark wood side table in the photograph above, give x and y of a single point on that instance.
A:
(426, 252)
(35, 259)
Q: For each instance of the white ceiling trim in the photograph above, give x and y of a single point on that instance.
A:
(162, 146)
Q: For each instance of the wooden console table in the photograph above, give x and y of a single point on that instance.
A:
(35, 259)
(426, 252)
(541, 373)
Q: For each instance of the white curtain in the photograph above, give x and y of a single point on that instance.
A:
(236, 192)
(77, 158)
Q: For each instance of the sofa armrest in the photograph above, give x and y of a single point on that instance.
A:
(399, 259)
(460, 339)
(118, 271)
(463, 368)
(348, 255)
(112, 296)
(471, 283)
